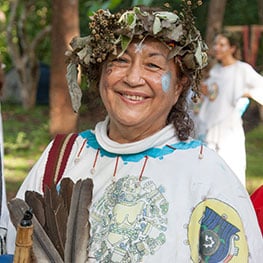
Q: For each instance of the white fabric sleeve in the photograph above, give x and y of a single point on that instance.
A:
(254, 84)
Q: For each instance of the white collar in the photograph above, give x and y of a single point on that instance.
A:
(158, 139)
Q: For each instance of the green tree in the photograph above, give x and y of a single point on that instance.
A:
(22, 48)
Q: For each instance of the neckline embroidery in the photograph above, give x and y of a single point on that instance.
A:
(155, 152)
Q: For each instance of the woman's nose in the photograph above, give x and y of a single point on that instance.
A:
(216, 47)
(134, 76)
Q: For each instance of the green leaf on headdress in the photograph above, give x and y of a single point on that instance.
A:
(176, 34)
(137, 10)
(83, 53)
(125, 41)
(201, 56)
(78, 43)
(167, 16)
(157, 26)
(74, 89)
(177, 50)
(198, 55)
(131, 19)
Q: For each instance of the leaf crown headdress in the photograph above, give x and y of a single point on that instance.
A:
(112, 33)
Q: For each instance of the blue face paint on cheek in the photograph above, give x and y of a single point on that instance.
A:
(166, 80)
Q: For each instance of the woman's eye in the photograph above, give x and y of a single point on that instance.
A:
(152, 65)
(120, 60)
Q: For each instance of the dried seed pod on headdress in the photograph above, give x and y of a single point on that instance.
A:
(112, 33)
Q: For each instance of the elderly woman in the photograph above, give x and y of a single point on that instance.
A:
(158, 195)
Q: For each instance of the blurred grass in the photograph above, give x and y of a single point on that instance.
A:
(254, 148)
(26, 136)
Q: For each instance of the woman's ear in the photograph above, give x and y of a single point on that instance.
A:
(179, 89)
(183, 83)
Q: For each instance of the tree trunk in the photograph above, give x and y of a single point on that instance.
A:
(65, 25)
(216, 11)
(28, 81)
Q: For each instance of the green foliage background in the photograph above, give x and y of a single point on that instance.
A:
(242, 12)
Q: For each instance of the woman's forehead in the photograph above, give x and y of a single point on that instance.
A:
(150, 43)
(221, 39)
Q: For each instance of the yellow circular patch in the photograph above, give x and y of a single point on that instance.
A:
(221, 235)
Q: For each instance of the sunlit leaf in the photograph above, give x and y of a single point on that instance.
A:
(156, 25)
(168, 16)
(125, 41)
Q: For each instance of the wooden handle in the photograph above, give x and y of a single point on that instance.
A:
(24, 242)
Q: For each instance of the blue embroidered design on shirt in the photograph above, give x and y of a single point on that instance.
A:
(152, 152)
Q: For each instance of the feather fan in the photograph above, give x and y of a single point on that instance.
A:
(60, 221)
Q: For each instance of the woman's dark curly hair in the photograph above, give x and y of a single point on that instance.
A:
(180, 118)
(178, 115)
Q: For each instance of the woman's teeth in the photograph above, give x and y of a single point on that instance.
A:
(133, 97)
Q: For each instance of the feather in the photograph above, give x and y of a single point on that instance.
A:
(36, 202)
(78, 226)
(17, 208)
(66, 188)
(43, 248)
(56, 218)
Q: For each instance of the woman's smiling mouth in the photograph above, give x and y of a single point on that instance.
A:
(133, 97)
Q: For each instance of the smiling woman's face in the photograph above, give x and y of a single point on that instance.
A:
(222, 48)
(139, 89)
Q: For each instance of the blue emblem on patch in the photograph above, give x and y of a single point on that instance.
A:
(217, 238)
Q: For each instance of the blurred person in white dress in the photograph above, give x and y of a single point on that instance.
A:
(225, 97)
